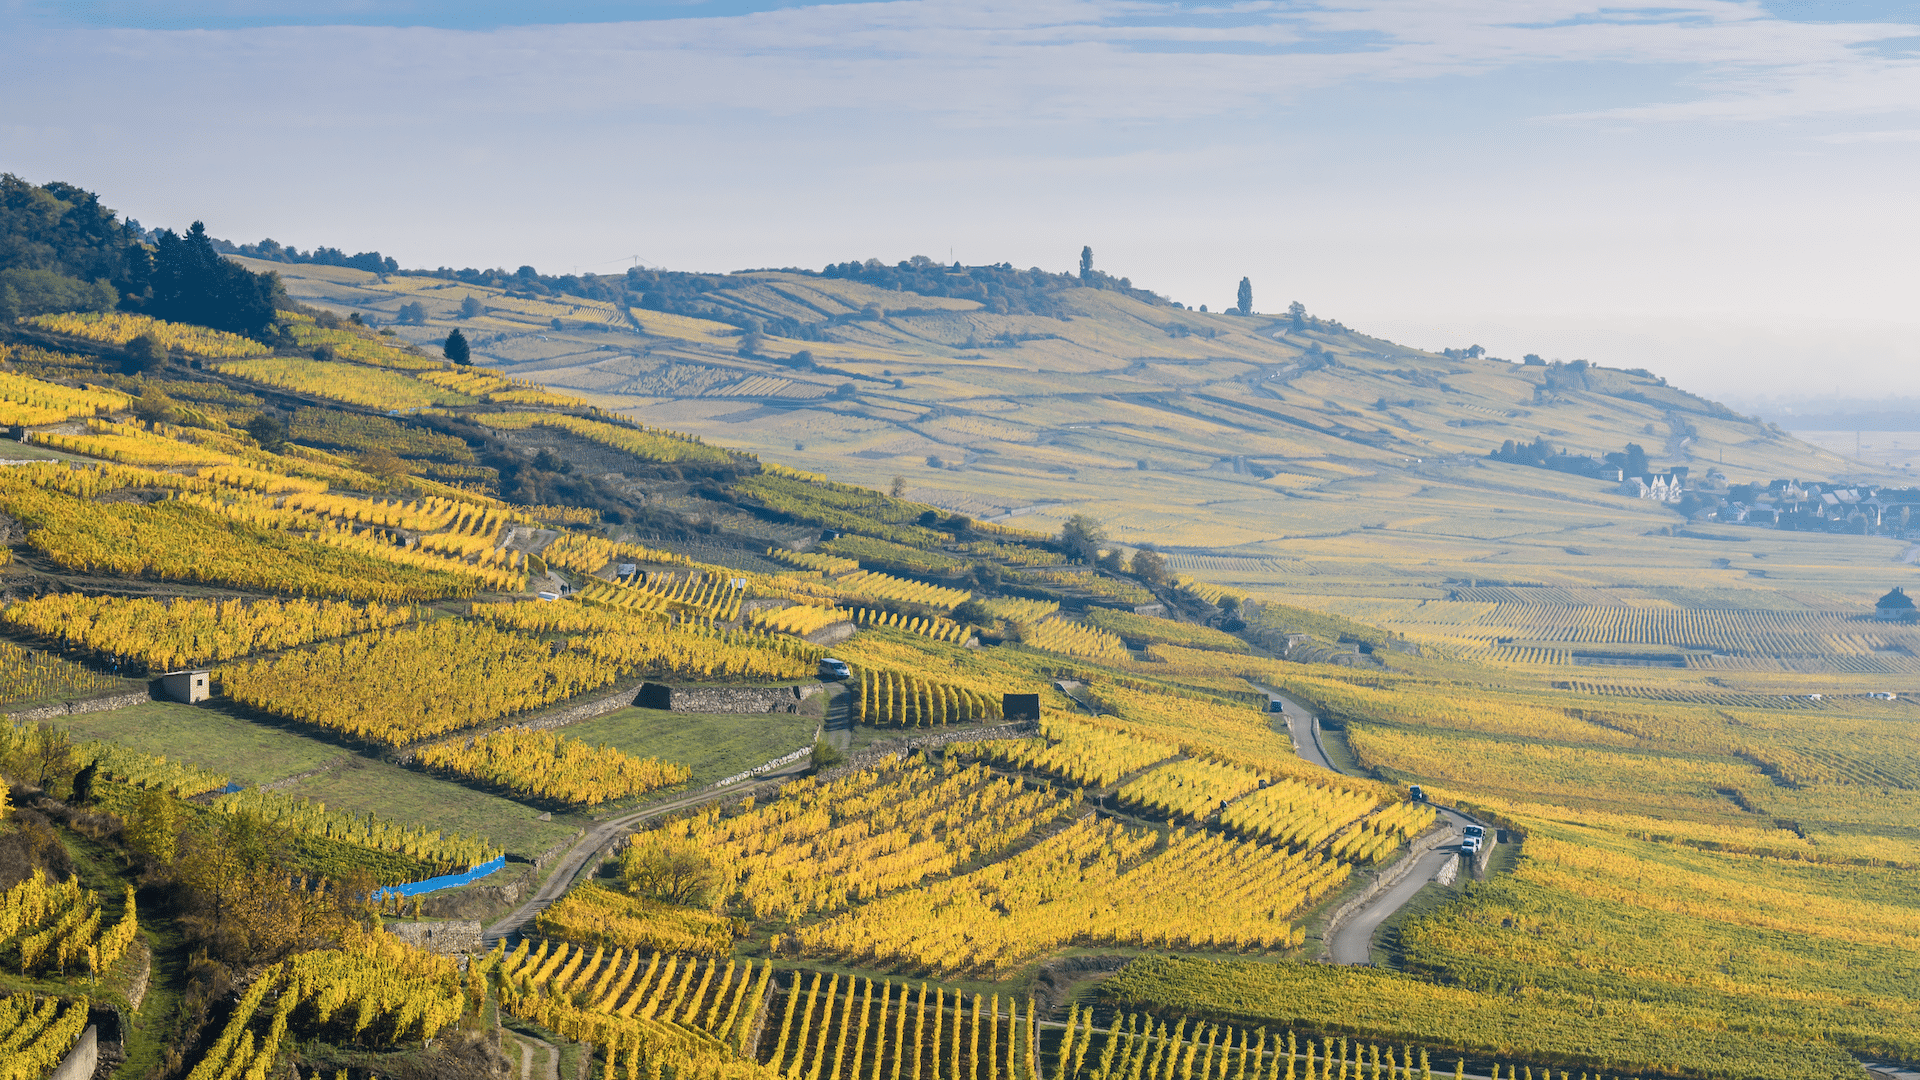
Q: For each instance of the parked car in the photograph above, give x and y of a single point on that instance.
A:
(1414, 793)
(835, 669)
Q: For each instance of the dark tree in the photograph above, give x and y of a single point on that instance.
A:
(471, 307)
(456, 349)
(192, 283)
(154, 406)
(414, 313)
(143, 354)
(1246, 296)
(1082, 536)
(1635, 461)
(83, 783)
(59, 246)
(1533, 360)
(37, 292)
(1149, 565)
(268, 430)
(1086, 262)
(1297, 311)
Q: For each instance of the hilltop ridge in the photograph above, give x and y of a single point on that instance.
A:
(1267, 436)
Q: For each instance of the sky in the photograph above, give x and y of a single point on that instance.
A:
(1719, 191)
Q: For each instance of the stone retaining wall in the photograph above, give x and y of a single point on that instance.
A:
(546, 721)
(142, 974)
(1388, 878)
(867, 758)
(450, 938)
(725, 699)
(831, 634)
(573, 714)
(541, 860)
(72, 708)
(1485, 853)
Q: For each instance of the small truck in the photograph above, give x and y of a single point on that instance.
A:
(1476, 837)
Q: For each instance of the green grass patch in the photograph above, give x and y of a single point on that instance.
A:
(415, 798)
(714, 746)
(249, 753)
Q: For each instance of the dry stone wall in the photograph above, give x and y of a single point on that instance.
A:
(73, 708)
(868, 758)
(725, 699)
(1388, 878)
(451, 938)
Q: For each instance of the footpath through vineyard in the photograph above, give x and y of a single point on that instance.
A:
(1352, 939)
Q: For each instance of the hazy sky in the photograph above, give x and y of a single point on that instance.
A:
(1721, 191)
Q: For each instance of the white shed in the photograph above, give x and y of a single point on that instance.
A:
(189, 686)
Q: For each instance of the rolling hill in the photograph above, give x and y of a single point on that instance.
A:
(1303, 456)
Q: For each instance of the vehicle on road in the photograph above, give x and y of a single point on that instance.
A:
(835, 669)
(1414, 793)
(1470, 846)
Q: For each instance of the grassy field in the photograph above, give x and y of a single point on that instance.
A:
(255, 753)
(249, 753)
(713, 746)
(421, 800)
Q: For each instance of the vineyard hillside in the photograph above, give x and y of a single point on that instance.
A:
(666, 687)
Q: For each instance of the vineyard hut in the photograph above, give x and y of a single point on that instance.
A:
(191, 686)
(1896, 606)
(1020, 706)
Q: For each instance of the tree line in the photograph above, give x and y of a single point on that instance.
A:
(61, 250)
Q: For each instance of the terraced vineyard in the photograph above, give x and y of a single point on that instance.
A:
(414, 585)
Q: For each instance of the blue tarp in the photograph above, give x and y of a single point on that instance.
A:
(448, 881)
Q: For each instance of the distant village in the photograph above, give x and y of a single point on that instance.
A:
(1781, 504)
(1778, 504)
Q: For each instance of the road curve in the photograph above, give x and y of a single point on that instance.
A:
(1302, 726)
(602, 835)
(1352, 943)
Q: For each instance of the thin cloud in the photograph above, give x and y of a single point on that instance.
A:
(1905, 136)
(1051, 61)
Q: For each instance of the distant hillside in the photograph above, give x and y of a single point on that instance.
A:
(1198, 430)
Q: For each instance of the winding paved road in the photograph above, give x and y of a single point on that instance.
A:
(603, 834)
(1352, 943)
(1303, 727)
